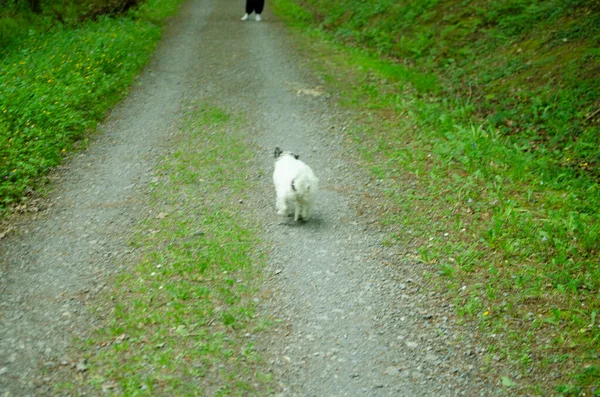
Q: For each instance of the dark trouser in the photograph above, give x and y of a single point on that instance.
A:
(254, 6)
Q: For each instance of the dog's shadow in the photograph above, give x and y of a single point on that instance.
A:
(315, 223)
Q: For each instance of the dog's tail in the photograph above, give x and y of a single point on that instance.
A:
(305, 186)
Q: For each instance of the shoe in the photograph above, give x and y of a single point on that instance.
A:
(245, 17)
(258, 18)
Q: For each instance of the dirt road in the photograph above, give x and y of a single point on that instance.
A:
(357, 317)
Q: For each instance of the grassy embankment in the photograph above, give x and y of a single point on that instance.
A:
(182, 320)
(484, 117)
(60, 72)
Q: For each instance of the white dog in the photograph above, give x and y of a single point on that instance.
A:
(296, 185)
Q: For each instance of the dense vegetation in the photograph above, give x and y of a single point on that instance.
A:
(531, 68)
(483, 117)
(61, 69)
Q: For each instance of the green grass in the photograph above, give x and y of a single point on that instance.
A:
(478, 115)
(529, 68)
(183, 316)
(56, 85)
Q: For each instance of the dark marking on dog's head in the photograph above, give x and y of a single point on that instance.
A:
(278, 152)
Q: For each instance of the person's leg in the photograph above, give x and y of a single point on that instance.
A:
(248, 10)
(249, 6)
(258, 6)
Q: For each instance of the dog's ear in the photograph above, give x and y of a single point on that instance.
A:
(296, 156)
(277, 152)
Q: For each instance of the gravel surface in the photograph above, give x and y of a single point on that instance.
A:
(354, 317)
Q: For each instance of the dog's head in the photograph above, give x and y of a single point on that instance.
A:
(278, 153)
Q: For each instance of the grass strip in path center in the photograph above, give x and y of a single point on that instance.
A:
(181, 320)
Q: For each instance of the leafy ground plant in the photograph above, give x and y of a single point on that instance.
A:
(184, 316)
(508, 226)
(56, 85)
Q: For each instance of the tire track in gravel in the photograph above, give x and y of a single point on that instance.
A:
(57, 261)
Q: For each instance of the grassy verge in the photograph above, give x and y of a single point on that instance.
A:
(505, 214)
(182, 319)
(56, 85)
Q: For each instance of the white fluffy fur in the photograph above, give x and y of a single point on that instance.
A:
(296, 185)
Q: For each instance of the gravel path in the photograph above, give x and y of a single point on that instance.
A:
(355, 318)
